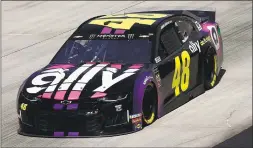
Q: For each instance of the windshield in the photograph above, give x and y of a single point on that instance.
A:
(113, 51)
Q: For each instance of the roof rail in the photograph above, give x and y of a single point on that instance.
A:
(198, 14)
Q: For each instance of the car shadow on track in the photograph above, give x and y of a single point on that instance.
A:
(221, 74)
(242, 140)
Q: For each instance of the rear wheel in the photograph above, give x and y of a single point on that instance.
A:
(210, 69)
(149, 106)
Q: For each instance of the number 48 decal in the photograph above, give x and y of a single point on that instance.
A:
(181, 79)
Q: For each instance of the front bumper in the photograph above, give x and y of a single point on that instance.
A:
(47, 118)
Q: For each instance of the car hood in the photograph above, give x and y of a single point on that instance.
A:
(90, 80)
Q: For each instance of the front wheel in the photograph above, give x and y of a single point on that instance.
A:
(149, 106)
(210, 70)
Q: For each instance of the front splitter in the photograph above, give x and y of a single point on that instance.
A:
(81, 136)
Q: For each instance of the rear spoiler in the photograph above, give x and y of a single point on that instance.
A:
(199, 15)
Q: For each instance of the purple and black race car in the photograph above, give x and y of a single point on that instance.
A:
(119, 73)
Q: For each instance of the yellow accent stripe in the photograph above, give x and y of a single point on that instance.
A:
(214, 79)
(215, 68)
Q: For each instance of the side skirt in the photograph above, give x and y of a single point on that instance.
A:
(176, 102)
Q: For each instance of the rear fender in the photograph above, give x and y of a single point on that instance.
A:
(214, 39)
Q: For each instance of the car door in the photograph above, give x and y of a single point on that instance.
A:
(188, 33)
(178, 68)
(170, 46)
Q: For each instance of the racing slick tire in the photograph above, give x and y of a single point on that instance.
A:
(149, 105)
(210, 69)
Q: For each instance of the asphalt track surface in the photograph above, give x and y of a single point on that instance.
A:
(32, 32)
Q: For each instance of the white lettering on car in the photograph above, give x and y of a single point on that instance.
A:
(107, 80)
(194, 46)
(66, 84)
(198, 26)
(146, 79)
(88, 76)
(58, 74)
(38, 80)
(165, 24)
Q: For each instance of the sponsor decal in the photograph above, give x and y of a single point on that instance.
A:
(58, 74)
(198, 25)
(108, 81)
(92, 36)
(92, 113)
(137, 123)
(205, 40)
(66, 102)
(146, 79)
(158, 59)
(135, 116)
(194, 46)
(214, 36)
(158, 78)
(144, 36)
(108, 36)
(136, 120)
(111, 36)
(23, 106)
(118, 108)
(165, 24)
(130, 36)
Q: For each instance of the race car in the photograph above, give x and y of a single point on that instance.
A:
(118, 73)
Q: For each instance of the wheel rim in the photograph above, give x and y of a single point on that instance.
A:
(149, 105)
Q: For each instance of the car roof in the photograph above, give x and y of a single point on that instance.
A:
(129, 23)
(142, 23)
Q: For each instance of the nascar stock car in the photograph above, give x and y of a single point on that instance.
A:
(119, 73)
